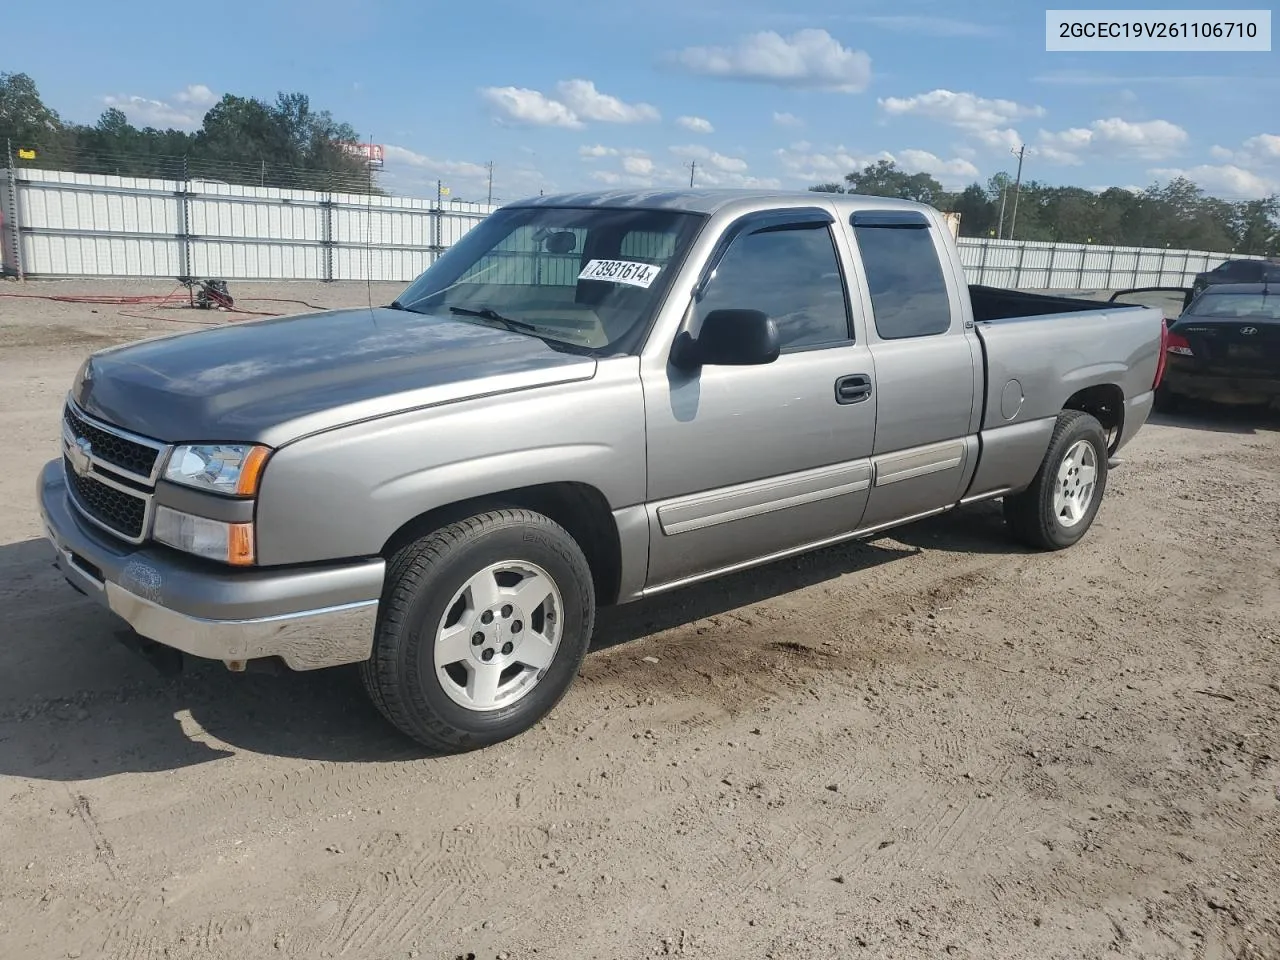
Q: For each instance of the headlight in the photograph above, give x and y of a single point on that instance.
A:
(230, 468)
(231, 543)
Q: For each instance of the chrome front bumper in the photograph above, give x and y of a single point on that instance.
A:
(309, 618)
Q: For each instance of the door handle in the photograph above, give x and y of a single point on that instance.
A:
(853, 389)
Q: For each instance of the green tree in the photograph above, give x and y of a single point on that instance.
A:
(1257, 224)
(977, 212)
(884, 179)
(23, 115)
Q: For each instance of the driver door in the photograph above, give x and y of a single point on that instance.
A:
(750, 461)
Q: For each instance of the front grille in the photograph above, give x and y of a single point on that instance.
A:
(110, 473)
(137, 458)
(122, 512)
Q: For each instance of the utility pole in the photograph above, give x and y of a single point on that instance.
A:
(1017, 185)
(693, 168)
(1004, 191)
(490, 200)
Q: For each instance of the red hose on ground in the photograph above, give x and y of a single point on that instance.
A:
(156, 301)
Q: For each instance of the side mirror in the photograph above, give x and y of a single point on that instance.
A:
(561, 242)
(729, 338)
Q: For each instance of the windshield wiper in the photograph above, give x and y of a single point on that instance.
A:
(487, 314)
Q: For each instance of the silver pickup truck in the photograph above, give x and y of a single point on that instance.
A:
(587, 400)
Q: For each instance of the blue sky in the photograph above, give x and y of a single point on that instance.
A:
(564, 95)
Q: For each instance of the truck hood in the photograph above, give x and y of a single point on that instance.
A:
(271, 381)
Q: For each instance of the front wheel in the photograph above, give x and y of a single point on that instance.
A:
(1058, 508)
(484, 625)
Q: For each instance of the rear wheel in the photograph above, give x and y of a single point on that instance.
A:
(1058, 508)
(484, 625)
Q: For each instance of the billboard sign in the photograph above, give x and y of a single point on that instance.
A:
(371, 153)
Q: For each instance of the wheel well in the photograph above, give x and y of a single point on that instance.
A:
(1106, 403)
(578, 507)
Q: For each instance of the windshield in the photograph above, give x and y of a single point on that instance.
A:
(1254, 306)
(589, 278)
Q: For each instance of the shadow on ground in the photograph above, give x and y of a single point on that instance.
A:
(75, 704)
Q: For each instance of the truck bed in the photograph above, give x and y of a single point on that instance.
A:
(996, 303)
(1050, 355)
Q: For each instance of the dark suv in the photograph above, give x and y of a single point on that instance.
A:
(1238, 271)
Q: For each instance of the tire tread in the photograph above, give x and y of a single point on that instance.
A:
(407, 569)
(1029, 513)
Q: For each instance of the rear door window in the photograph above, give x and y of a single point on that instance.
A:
(909, 296)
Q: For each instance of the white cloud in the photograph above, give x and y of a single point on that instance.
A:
(583, 99)
(721, 178)
(801, 163)
(713, 169)
(999, 139)
(812, 167)
(1147, 140)
(415, 173)
(521, 105)
(1265, 145)
(1227, 181)
(696, 124)
(810, 59)
(719, 161)
(1250, 172)
(596, 152)
(576, 102)
(1260, 151)
(638, 166)
(395, 155)
(198, 95)
(986, 119)
(948, 172)
(195, 99)
(787, 120)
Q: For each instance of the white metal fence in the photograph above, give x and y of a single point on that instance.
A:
(59, 224)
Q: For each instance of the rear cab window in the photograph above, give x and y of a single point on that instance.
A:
(909, 295)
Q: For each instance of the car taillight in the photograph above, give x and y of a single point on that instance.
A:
(1164, 347)
(1176, 343)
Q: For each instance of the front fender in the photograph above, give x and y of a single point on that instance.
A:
(344, 492)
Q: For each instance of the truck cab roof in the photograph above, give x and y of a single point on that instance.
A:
(711, 201)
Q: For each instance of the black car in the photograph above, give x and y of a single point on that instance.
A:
(1225, 347)
(1238, 271)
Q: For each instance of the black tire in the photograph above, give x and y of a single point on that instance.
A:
(1030, 514)
(422, 578)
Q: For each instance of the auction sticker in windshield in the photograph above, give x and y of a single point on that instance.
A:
(620, 271)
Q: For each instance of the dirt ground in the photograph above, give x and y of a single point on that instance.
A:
(933, 744)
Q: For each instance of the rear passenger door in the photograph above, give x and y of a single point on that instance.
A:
(928, 366)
